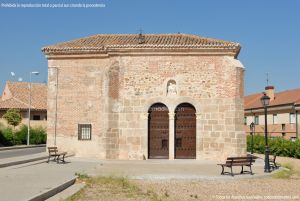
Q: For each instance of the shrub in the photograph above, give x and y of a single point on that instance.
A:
(278, 146)
(6, 136)
(21, 134)
(37, 135)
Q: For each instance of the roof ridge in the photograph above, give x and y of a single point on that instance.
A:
(288, 90)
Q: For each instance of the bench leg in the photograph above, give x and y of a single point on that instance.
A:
(275, 165)
(63, 159)
(251, 170)
(222, 170)
(57, 160)
(242, 169)
(231, 171)
(48, 159)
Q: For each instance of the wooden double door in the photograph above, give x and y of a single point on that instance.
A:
(184, 136)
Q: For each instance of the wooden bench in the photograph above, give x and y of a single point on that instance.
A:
(57, 156)
(238, 161)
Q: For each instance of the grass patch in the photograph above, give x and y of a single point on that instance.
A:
(113, 188)
(286, 173)
(81, 175)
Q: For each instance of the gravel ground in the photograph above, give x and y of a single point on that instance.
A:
(183, 190)
(255, 189)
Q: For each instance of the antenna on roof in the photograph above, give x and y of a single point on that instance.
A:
(141, 38)
(267, 75)
(140, 31)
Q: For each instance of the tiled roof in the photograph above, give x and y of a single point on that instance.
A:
(107, 42)
(281, 98)
(20, 96)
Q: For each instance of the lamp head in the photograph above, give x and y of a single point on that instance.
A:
(265, 100)
(252, 125)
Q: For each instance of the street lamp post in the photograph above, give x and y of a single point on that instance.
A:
(252, 126)
(265, 100)
(29, 108)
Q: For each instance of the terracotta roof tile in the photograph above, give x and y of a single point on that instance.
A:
(281, 98)
(107, 42)
(20, 96)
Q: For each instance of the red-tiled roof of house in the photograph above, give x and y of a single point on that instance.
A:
(281, 98)
(107, 42)
(19, 98)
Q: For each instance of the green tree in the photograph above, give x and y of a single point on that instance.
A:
(13, 117)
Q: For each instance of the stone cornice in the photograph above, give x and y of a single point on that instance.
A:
(141, 52)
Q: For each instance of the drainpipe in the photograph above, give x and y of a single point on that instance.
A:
(297, 125)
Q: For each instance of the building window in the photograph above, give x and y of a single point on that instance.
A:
(245, 120)
(275, 119)
(292, 118)
(84, 131)
(283, 127)
(256, 120)
(36, 117)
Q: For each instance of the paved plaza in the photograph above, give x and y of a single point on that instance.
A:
(34, 178)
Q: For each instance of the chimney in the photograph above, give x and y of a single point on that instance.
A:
(270, 92)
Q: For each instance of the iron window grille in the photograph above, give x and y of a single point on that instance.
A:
(84, 131)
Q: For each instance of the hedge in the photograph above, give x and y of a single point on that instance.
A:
(278, 146)
(9, 138)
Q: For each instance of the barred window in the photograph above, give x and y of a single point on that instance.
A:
(256, 120)
(292, 118)
(84, 131)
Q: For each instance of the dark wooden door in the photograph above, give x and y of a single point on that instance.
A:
(158, 133)
(185, 131)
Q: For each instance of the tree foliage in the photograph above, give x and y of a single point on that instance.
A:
(13, 117)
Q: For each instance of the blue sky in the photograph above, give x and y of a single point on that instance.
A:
(268, 31)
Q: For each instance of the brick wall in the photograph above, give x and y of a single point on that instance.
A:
(114, 94)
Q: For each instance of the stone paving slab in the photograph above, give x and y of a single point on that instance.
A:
(23, 182)
(35, 178)
(5, 162)
(174, 169)
(21, 147)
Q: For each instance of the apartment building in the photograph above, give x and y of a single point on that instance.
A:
(283, 113)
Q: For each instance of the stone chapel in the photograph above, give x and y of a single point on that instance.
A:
(146, 96)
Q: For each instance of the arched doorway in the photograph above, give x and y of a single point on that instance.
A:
(158, 131)
(185, 131)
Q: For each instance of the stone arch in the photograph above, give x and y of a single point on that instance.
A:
(158, 131)
(185, 131)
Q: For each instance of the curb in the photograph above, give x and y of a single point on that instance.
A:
(49, 193)
(22, 161)
(3, 165)
(21, 147)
